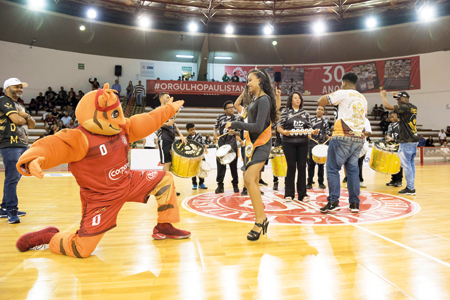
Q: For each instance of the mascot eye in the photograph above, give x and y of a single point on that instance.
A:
(115, 114)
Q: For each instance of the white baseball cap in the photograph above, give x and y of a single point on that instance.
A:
(13, 81)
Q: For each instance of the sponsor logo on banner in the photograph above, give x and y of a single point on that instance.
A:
(117, 172)
(147, 69)
(374, 207)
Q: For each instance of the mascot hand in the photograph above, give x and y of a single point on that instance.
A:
(34, 167)
(177, 104)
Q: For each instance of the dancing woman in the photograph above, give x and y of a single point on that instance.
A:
(295, 147)
(261, 113)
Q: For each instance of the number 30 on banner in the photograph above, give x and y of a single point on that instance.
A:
(332, 81)
(337, 76)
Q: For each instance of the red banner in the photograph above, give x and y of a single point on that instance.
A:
(195, 87)
(390, 74)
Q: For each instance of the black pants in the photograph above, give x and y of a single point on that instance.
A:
(194, 180)
(296, 155)
(312, 166)
(221, 169)
(397, 177)
(360, 166)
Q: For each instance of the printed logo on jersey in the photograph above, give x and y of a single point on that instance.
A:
(117, 172)
(374, 207)
(151, 175)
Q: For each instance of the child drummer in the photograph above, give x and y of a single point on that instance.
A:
(190, 127)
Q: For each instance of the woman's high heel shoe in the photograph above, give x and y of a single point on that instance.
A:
(253, 235)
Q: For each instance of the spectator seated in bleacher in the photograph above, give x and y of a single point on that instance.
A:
(72, 91)
(384, 124)
(376, 111)
(70, 111)
(49, 92)
(41, 100)
(33, 106)
(442, 138)
(80, 94)
(422, 142)
(49, 121)
(430, 142)
(64, 93)
(66, 118)
(72, 124)
(61, 100)
(51, 99)
(61, 125)
(72, 100)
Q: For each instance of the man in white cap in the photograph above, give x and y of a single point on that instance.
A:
(14, 124)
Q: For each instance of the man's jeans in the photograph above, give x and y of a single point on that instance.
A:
(407, 153)
(343, 151)
(12, 176)
(139, 99)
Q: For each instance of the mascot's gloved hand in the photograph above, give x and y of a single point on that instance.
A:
(177, 104)
(34, 167)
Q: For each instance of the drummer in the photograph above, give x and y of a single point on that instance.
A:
(408, 139)
(392, 136)
(195, 136)
(295, 147)
(227, 139)
(317, 122)
(166, 137)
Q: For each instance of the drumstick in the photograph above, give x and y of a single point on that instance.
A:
(176, 115)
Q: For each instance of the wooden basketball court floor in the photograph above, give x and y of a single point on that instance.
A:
(407, 258)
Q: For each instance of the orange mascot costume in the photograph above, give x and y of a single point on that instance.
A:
(97, 153)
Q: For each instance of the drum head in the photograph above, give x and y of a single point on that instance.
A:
(223, 150)
(320, 150)
(191, 149)
(205, 166)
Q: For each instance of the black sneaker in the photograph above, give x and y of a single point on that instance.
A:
(275, 186)
(331, 206)
(407, 191)
(390, 183)
(244, 192)
(220, 189)
(235, 188)
(309, 186)
(345, 179)
(322, 186)
(3, 213)
(261, 182)
(12, 217)
(398, 184)
(354, 207)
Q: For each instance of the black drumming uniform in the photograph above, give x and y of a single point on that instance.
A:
(227, 139)
(295, 149)
(199, 139)
(278, 143)
(324, 132)
(258, 113)
(166, 137)
(393, 132)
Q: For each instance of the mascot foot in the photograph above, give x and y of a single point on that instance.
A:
(164, 231)
(36, 239)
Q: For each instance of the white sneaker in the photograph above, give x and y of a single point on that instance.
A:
(288, 199)
(362, 184)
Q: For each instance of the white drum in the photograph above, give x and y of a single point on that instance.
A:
(319, 154)
(205, 168)
(225, 154)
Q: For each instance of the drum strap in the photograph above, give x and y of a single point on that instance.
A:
(263, 138)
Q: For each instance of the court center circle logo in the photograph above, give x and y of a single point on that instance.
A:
(374, 207)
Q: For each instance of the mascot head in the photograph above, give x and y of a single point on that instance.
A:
(100, 112)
